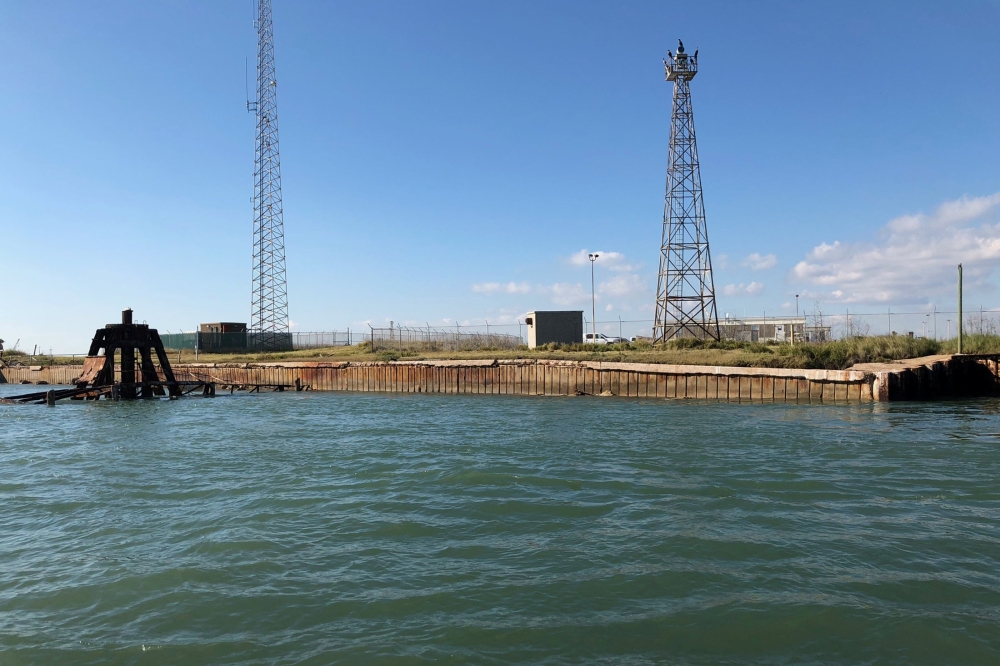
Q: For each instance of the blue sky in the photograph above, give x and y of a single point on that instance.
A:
(448, 162)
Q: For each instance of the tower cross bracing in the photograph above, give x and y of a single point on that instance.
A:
(685, 292)
(269, 303)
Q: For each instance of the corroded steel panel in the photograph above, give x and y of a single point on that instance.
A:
(815, 392)
(866, 392)
(929, 380)
(92, 366)
(745, 390)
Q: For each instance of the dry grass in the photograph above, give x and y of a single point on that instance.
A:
(973, 344)
(836, 355)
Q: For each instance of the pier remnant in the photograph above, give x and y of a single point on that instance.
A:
(129, 338)
(97, 378)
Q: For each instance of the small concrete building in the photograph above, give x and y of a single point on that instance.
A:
(563, 326)
(772, 329)
(223, 327)
(223, 337)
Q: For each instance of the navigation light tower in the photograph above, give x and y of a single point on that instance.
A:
(685, 291)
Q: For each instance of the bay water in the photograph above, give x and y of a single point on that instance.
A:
(316, 528)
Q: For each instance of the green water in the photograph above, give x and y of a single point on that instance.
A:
(318, 528)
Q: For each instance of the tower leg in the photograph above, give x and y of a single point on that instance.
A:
(128, 373)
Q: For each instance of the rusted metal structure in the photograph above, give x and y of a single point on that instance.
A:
(137, 377)
(928, 378)
(129, 338)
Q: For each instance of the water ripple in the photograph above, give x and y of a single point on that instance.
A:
(352, 528)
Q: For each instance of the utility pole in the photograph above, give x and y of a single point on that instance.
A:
(685, 290)
(593, 299)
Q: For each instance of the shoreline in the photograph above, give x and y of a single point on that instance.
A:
(927, 378)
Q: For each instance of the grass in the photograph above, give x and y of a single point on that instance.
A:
(835, 355)
(973, 344)
(18, 356)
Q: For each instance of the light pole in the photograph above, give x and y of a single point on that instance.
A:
(796, 306)
(593, 299)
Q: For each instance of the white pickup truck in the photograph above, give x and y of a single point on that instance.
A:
(601, 339)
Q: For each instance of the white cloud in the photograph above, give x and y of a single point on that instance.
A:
(626, 284)
(608, 307)
(565, 293)
(721, 261)
(496, 287)
(618, 280)
(758, 262)
(916, 259)
(614, 261)
(740, 289)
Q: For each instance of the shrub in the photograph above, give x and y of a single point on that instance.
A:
(973, 344)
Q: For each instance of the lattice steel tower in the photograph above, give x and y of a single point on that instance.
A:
(685, 292)
(269, 308)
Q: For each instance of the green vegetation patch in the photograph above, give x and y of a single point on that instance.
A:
(835, 355)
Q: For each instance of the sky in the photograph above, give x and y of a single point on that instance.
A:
(455, 162)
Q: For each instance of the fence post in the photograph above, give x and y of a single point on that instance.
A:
(960, 308)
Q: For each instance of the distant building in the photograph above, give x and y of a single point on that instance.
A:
(562, 326)
(772, 329)
(224, 337)
(223, 327)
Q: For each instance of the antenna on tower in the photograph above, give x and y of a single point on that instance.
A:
(251, 106)
(685, 291)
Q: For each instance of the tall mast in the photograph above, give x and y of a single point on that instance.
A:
(685, 291)
(269, 305)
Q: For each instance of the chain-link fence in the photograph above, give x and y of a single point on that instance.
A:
(237, 343)
(820, 326)
(933, 323)
(408, 338)
(815, 325)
